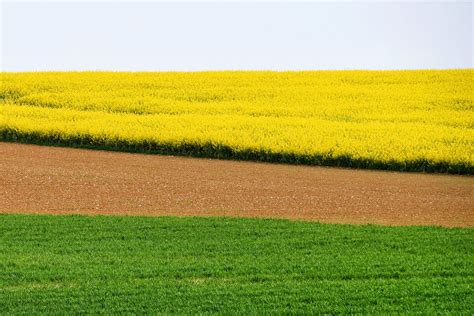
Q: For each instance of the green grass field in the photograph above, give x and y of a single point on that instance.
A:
(202, 265)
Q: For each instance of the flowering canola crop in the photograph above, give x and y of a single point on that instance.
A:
(396, 120)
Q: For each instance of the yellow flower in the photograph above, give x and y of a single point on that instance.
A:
(401, 120)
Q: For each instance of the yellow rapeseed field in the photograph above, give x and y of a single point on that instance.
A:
(398, 120)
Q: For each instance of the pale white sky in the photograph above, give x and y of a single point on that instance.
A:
(180, 36)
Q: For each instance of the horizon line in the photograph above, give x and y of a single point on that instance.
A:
(234, 70)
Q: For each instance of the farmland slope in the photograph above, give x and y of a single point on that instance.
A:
(395, 120)
(40, 179)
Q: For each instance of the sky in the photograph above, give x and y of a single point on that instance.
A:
(196, 36)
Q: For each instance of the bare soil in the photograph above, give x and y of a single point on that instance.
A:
(53, 180)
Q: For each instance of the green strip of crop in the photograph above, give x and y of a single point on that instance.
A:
(220, 151)
(80, 264)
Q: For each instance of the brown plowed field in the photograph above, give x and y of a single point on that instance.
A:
(38, 179)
